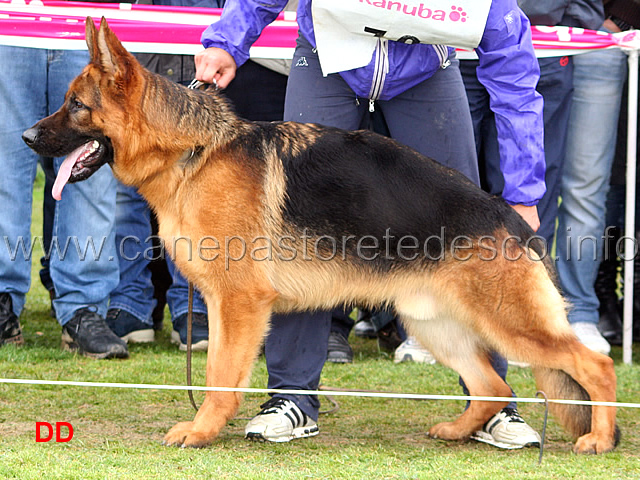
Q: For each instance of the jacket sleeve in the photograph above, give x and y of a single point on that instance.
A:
(509, 70)
(240, 25)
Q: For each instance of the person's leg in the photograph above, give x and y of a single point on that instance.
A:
(86, 272)
(178, 294)
(338, 349)
(443, 97)
(296, 347)
(556, 87)
(84, 262)
(433, 118)
(132, 302)
(491, 178)
(48, 211)
(310, 98)
(22, 103)
(178, 301)
(598, 82)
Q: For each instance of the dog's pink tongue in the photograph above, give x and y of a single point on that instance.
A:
(65, 171)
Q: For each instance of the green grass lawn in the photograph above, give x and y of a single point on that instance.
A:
(117, 432)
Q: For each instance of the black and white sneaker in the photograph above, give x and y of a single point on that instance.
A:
(88, 333)
(280, 420)
(506, 429)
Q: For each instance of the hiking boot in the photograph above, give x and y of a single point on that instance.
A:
(590, 337)
(9, 324)
(506, 429)
(338, 349)
(199, 332)
(280, 420)
(88, 333)
(411, 351)
(128, 327)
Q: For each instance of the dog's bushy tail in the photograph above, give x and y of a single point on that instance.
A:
(576, 419)
(556, 384)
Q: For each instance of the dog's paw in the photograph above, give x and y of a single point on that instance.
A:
(594, 444)
(184, 435)
(175, 437)
(447, 431)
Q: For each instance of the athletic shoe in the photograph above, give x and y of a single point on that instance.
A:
(591, 337)
(280, 420)
(411, 351)
(338, 349)
(128, 327)
(88, 333)
(364, 329)
(9, 324)
(199, 332)
(506, 429)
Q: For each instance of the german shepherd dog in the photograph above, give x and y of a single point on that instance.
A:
(301, 217)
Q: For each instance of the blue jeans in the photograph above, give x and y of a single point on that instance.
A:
(134, 293)
(423, 117)
(32, 85)
(598, 80)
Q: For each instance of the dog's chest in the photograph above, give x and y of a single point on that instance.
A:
(176, 241)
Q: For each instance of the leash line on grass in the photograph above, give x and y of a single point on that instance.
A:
(335, 393)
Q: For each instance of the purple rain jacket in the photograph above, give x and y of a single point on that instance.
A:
(507, 68)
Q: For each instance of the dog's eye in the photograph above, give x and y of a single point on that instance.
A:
(77, 104)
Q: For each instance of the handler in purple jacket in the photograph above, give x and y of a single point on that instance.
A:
(419, 89)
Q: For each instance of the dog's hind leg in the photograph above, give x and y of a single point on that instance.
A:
(468, 356)
(521, 314)
(238, 323)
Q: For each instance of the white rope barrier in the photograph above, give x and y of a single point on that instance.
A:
(333, 393)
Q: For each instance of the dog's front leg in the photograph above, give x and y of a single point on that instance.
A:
(237, 326)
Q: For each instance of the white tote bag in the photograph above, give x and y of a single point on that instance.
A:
(347, 31)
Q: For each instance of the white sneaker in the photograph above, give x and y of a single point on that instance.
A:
(591, 337)
(280, 420)
(506, 429)
(411, 351)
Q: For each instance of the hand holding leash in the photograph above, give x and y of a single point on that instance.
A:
(215, 65)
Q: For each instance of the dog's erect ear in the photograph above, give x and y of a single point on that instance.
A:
(90, 34)
(105, 49)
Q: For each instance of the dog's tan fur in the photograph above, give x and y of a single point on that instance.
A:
(201, 186)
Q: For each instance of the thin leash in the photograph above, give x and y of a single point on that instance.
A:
(544, 425)
(194, 85)
(189, 349)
